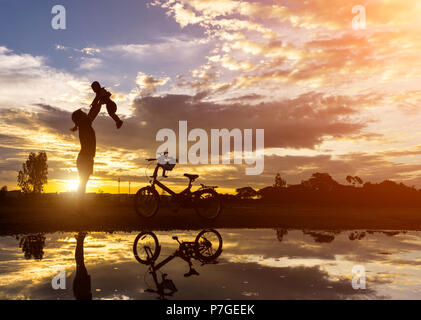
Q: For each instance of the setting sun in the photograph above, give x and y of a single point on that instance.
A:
(72, 185)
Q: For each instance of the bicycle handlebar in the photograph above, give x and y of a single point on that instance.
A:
(154, 159)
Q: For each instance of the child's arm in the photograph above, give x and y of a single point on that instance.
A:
(74, 128)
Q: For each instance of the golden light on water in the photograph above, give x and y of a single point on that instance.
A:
(254, 253)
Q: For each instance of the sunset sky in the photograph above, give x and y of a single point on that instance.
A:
(330, 98)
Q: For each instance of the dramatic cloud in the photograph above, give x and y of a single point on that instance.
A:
(330, 98)
(297, 123)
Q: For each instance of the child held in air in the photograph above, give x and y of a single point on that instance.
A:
(102, 97)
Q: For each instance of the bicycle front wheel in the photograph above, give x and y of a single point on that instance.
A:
(208, 245)
(146, 247)
(146, 202)
(207, 203)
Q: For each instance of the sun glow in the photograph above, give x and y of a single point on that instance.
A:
(72, 185)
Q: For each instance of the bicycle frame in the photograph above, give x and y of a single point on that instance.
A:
(155, 181)
(198, 200)
(160, 285)
(177, 254)
(154, 268)
(163, 262)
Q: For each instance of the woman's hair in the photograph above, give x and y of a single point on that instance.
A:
(96, 85)
(79, 117)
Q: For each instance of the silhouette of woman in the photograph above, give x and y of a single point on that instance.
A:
(82, 281)
(85, 159)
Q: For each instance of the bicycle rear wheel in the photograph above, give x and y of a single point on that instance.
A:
(146, 247)
(146, 202)
(208, 245)
(207, 203)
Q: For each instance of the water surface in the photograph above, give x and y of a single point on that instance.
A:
(254, 264)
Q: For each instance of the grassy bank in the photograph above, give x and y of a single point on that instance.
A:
(51, 217)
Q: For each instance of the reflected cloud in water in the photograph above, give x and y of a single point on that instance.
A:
(251, 264)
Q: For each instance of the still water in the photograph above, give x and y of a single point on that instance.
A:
(253, 264)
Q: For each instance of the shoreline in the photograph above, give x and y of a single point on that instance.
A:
(21, 219)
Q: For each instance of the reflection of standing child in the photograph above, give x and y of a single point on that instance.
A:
(103, 97)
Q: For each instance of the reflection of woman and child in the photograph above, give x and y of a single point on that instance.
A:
(82, 280)
(83, 123)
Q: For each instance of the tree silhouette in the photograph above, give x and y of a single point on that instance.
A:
(246, 192)
(280, 233)
(322, 237)
(320, 181)
(353, 180)
(3, 192)
(33, 176)
(356, 235)
(279, 182)
(33, 246)
(358, 179)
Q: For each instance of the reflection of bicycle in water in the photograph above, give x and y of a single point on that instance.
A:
(206, 248)
(205, 201)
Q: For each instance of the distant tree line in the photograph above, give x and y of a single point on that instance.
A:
(321, 188)
(327, 236)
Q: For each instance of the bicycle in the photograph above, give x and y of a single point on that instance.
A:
(205, 200)
(206, 248)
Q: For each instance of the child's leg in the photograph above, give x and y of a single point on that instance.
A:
(112, 108)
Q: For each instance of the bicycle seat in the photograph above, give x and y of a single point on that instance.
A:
(191, 176)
